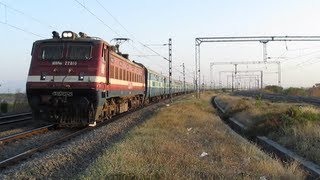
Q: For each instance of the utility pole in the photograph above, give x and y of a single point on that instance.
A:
(264, 45)
(184, 78)
(232, 83)
(170, 69)
(197, 62)
(202, 83)
(194, 81)
(261, 81)
(211, 76)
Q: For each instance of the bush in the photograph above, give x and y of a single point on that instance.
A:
(297, 114)
(274, 89)
(4, 107)
(295, 91)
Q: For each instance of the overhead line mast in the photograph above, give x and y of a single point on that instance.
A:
(262, 39)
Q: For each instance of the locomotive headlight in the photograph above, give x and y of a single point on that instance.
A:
(81, 76)
(43, 76)
(67, 34)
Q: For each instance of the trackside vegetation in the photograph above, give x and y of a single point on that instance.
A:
(187, 140)
(295, 126)
(294, 91)
(13, 103)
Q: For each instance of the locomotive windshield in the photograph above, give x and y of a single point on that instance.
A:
(79, 52)
(74, 51)
(51, 52)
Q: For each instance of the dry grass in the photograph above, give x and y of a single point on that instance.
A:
(294, 127)
(168, 146)
(251, 112)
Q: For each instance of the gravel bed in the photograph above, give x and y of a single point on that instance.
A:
(19, 146)
(68, 159)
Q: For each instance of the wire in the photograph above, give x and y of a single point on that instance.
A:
(26, 15)
(130, 34)
(113, 17)
(21, 29)
(113, 29)
(105, 24)
(297, 57)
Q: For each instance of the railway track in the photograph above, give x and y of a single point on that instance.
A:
(28, 153)
(15, 118)
(27, 133)
(280, 97)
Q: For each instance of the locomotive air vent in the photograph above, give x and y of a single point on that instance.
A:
(83, 35)
(55, 35)
(125, 56)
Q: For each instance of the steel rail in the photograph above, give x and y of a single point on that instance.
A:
(14, 118)
(26, 133)
(15, 115)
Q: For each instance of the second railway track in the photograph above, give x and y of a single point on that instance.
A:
(26, 134)
(15, 118)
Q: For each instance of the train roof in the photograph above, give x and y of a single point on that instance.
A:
(73, 40)
(82, 37)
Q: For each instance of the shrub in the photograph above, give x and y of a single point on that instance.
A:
(4, 107)
(297, 114)
(295, 91)
(273, 89)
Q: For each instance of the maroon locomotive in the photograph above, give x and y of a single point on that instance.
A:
(76, 80)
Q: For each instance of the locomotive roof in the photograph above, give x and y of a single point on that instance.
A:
(79, 39)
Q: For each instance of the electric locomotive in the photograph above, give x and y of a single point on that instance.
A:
(77, 80)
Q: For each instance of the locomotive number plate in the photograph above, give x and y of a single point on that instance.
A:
(62, 93)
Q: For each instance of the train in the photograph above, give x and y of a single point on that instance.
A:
(76, 80)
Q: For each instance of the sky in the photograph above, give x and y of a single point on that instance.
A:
(154, 22)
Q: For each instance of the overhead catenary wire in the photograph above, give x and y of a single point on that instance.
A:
(130, 34)
(99, 19)
(114, 31)
(105, 9)
(26, 15)
(21, 29)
